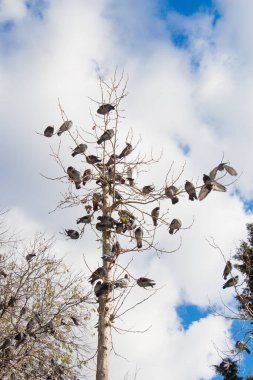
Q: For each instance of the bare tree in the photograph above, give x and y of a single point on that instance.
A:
(128, 216)
(44, 311)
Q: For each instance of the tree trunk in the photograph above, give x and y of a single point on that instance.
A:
(104, 310)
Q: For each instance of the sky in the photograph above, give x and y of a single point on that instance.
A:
(190, 92)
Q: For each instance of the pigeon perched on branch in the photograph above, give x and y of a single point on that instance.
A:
(92, 159)
(171, 192)
(131, 175)
(227, 269)
(87, 175)
(190, 189)
(79, 149)
(126, 151)
(49, 131)
(155, 215)
(107, 135)
(99, 273)
(30, 256)
(148, 189)
(102, 288)
(122, 282)
(64, 127)
(75, 176)
(105, 108)
(231, 282)
(144, 282)
(175, 225)
(138, 233)
(96, 201)
(84, 219)
(113, 159)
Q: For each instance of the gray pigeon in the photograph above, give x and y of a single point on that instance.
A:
(233, 281)
(222, 166)
(122, 282)
(73, 234)
(84, 219)
(126, 151)
(87, 175)
(148, 189)
(92, 159)
(171, 192)
(79, 149)
(119, 228)
(190, 189)
(75, 176)
(49, 131)
(116, 248)
(107, 135)
(113, 159)
(29, 256)
(227, 269)
(114, 176)
(138, 236)
(102, 288)
(99, 273)
(64, 127)
(105, 108)
(131, 175)
(175, 225)
(144, 282)
(106, 219)
(155, 215)
(104, 226)
(96, 201)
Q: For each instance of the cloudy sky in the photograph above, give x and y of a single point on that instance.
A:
(190, 87)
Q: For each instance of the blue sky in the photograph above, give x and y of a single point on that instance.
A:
(193, 115)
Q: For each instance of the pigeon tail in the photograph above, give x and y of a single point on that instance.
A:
(174, 200)
(192, 197)
(139, 244)
(59, 133)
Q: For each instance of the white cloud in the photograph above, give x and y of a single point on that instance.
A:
(12, 10)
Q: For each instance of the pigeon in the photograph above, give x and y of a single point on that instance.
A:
(81, 148)
(231, 282)
(96, 201)
(49, 131)
(3, 273)
(64, 127)
(87, 175)
(130, 225)
(227, 269)
(148, 189)
(75, 176)
(175, 225)
(222, 166)
(126, 151)
(114, 176)
(75, 320)
(116, 248)
(209, 185)
(92, 159)
(106, 219)
(171, 192)
(113, 159)
(131, 175)
(117, 195)
(242, 346)
(99, 273)
(190, 189)
(144, 282)
(122, 282)
(29, 256)
(119, 228)
(105, 108)
(84, 219)
(138, 233)
(102, 288)
(104, 226)
(73, 234)
(155, 215)
(107, 135)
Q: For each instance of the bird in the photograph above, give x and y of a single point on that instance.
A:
(113, 159)
(155, 215)
(49, 131)
(104, 288)
(3, 273)
(99, 273)
(117, 195)
(227, 269)
(122, 282)
(126, 151)
(29, 256)
(92, 159)
(103, 226)
(119, 228)
(106, 219)
(209, 185)
(138, 233)
(73, 234)
(84, 219)
(116, 248)
(174, 226)
(148, 189)
(222, 166)
(75, 320)
(233, 281)
(87, 175)
(242, 346)
(107, 135)
(190, 189)
(64, 127)
(144, 282)
(171, 192)
(81, 148)
(130, 224)
(105, 108)
(75, 176)
(131, 175)
(96, 201)
(114, 176)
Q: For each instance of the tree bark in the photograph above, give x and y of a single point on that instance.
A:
(104, 310)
